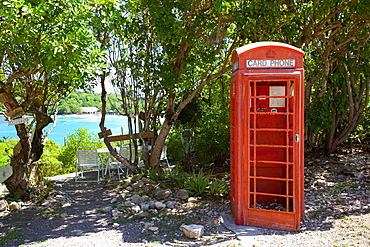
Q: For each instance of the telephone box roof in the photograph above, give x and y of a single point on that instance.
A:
(265, 44)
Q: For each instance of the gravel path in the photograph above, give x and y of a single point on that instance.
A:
(337, 213)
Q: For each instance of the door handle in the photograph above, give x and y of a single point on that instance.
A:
(296, 137)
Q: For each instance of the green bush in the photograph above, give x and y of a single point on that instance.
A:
(6, 149)
(81, 138)
(49, 165)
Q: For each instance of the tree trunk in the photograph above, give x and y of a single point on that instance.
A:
(28, 150)
(17, 183)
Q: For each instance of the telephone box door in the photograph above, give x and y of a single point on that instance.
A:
(272, 139)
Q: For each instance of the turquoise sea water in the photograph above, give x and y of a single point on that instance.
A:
(68, 124)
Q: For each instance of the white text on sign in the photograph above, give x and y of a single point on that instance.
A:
(271, 63)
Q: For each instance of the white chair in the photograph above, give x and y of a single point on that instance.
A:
(124, 151)
(87, 160)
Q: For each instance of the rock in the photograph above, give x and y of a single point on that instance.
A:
(136, 178)
(129, 204)
(160, 194)
(105, 209)
(14, 206)
(139, 184)
(67, 205)
(148, 224)
(64, 215)
(144, 198)
(321, 182)
(192, 231)
(170, 204)
(77, 232)
(117, 213)
(3, 205)
(182, 194)
(153, 228)
(146, 180)
(115, 225)
(127, 184)
(159, 205)
(153, 211)
(136, 209)
(114, 200)
(192, 199)
(144, 206)
(136, 199)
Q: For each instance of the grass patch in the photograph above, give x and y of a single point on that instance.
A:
(124, 221)
(50, 212)
(346, 186)
(317, 214)
(14, 234)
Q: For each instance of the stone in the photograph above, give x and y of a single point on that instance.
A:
(153, 211)
(159, 205)
(115, 225)
(321, 182)
(14, 206)
(77, 232)
(144, 198)
(117, 213)
(105, 209)
(129, 204)
(181, 194)
(192, 231)
(170, 204)
(3, 205)
(64, 215)
(136, 178)
(144, 206)
(192, 199)
(114, 200)
(160, 194)
(148, 224)
(136, 209)
(140, 184)
(146, 180)
(153, 228)
(136, 199)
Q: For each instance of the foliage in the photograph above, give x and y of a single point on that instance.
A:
(46, 51)
(72, 103)
(81, 138)
(12, 234)
(197, 183)
(6, 149)
(210, 122)
(49, 165)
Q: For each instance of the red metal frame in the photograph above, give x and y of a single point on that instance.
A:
(266, 122)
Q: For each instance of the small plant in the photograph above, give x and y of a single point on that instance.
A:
(198, 183)
(15, 197)
(218, 188)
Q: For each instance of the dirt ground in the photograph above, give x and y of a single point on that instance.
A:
(337, 213)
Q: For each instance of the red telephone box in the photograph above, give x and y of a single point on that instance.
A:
(266, 135)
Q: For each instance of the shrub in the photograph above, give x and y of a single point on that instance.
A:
(6, 149)
(49, 165)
